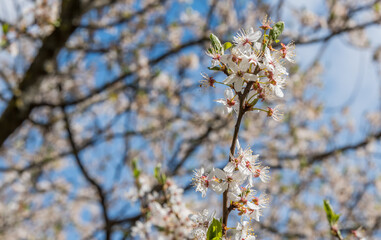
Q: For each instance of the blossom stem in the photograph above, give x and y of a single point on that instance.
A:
(225, 211)
(242, 110)
(260, 109)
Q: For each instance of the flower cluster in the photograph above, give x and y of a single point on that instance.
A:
(167, 213)
(163, 206)
(237, 178)
(254, 71)
(254, 66)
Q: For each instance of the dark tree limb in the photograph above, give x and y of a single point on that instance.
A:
(318, 157)
(18, 109)
(100, 192)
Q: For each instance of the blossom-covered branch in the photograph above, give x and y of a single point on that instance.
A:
(255, 74)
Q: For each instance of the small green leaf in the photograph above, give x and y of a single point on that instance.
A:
(276, 31)
(135, 168)
(227, 45)
(57, 23)
(3, 43)
(303, 162)
(254, 102)
(160, 177)
(216, 68)
(377, 7)
(163, 178)
(214, 230)
(156, 171)
(216, 44)
(332, 217)
(5, 28)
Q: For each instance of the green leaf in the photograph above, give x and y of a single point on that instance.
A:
(160, 177)
(135, 168)
(3, 43)
(332, 217)
(254, 102)
(276, 31)
(214, 230)
(216, 44)
(216, 68)
(156, 171)
(303, 162)
(163, 178)
(227, 45)
(57, 23)
(5, 28)
(377, 7)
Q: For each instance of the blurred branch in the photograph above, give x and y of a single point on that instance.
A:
(282, 234)
(338, 32)
(122, 77)
(18, 108)
(366, 6)
(89, 179)
(194, 144)
(317, 157)
(126, 19)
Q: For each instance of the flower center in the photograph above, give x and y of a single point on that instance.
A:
(230, 102)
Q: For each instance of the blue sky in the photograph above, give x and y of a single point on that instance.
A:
(348, 72)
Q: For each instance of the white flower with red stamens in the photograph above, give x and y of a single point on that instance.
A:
(221, 181)
(229, 102)
(275, 113)
(239, 72)
(215, 55)
(246, 39)
(272, 63)
(288, 52)
(241, 232)
(261, 201)
(254, 214)
(262, 173)
(207, 81)
(201, 181)
(200, 224)
(243, 197)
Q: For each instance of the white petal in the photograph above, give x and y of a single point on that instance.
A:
(250, 77)
(238, 84)
(278, 92)
(244, 65)
(233, 197)
(229, 79)
(219, 173)
(238, 177)
(229, 167)
(238, 145)
(225, 59)
(254, 36)
(223, 101)
(229, 93)
(258, 45)
(242, 168)
(252, 205)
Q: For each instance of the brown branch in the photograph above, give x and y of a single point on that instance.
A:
(242, 111)
(196, 142)
(123, 76)
(89, 179)
(318, 157)
(126, 19)
(18, 110)
(337, 32)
